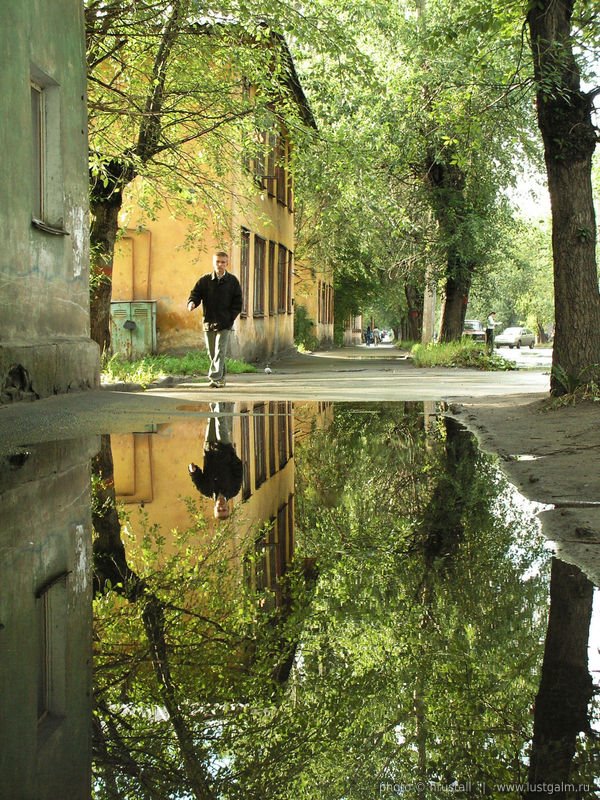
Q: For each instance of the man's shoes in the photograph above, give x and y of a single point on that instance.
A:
(216, 384)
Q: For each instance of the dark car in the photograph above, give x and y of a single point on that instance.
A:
(474, 330)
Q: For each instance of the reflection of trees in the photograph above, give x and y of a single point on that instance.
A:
(420, 572)
(416, 654)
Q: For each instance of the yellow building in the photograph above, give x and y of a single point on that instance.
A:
(155, 267)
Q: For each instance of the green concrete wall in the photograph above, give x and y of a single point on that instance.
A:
(44, 298)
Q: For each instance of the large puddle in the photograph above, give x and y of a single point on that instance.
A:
(313, 601)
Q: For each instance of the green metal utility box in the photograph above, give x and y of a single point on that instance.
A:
(133, 328)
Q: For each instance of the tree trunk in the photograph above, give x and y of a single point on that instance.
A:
(414, 298)
(565, 121)
(566, 686)
(450, 207)
(105, 205)
(456, 297)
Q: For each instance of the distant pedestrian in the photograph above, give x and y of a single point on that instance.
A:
(221, 296)
(489, 331)
(368, 336)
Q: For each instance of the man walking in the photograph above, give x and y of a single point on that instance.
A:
(221, 296)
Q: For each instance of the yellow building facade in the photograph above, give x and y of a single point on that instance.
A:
(159, 257)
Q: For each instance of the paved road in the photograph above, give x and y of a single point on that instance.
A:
(351, 374)
(524, 357)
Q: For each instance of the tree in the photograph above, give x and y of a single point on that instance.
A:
(423, 137)
(569, 135)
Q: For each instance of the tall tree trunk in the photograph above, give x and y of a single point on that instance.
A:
(456, 297)
(447, 183)
(566, 688)
(414, 298)
(105, 205)
(565, 121)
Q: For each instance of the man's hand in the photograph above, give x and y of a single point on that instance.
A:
(191, 305)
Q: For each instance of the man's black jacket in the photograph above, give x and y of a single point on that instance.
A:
(221, 299)
(222, 473)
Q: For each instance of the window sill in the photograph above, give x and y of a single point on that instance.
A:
(46, 228)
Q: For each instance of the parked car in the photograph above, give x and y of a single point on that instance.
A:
(515, 337)
(474, 330)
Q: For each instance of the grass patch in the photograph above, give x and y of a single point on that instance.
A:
(148, 369)
(406, 344)
(459, 354)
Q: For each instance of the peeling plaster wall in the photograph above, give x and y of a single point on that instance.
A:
(44, 296)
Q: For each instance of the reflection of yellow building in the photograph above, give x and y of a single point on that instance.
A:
(153, 263)
(151, 471)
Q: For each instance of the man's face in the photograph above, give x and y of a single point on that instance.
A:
(221, 507)
(220, 263)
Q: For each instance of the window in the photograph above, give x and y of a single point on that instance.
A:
(280, 171)
(259, 276)
(46, 161)
(273, 145)
(38, 133)
(245, 269)
(290, 281)
(281, 273)
(260, 461)
(271, 278)
(290, 182)
(259, 159)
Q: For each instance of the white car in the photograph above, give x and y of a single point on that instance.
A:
(515, 337)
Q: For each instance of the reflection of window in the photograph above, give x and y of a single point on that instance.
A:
(51, 609)
(245, 269)
(245, 454)
(282, 433)
(260, 461)
(290, 431)
(259, 276)
(281, 272)
(271, 278)
(272, 438)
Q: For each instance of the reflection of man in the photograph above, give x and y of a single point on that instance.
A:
(221, 296)
(221, 476)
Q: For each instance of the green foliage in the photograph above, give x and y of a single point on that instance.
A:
(148, 369)
(459, 354)
(304, 335)
(520, 286)
(576, 388)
